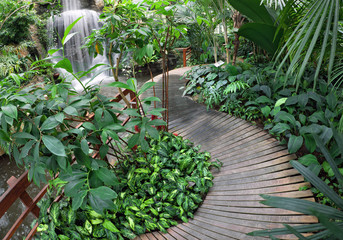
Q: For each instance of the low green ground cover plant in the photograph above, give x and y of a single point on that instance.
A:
(153, 191)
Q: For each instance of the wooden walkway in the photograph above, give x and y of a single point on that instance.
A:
(254, 164)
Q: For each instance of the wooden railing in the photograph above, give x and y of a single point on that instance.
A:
(17, 187)
(187, 53)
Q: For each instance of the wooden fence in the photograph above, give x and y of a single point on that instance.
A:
(17, 187)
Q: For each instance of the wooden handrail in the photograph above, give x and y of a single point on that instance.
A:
(186, 53)
(17, 187)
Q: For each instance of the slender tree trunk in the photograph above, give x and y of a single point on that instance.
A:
(226, 42)
(215, 51)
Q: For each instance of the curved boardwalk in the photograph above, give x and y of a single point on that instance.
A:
(254, 164)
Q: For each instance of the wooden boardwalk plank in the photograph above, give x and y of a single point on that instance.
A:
(254, 163)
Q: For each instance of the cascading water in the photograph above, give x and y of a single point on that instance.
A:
(80, 58)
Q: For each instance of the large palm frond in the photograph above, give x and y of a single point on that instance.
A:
(313, 40)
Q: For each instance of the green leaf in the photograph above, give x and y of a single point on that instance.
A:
(145, 87)
(49, 123)
(253, 9)
(280, 128)
(280, 102)
(308, 160)
(65, 64)
(10, 110)
(54, 145)
(287, 117)
(89, 126)
(119, 85)
(71, 111)
(78, 200)
(266, 110)
(133, 140)
(332, 101)
(295, 143)
(68, 29)
(153, 132)
(302, 206)
(110, 226)
(104, 193)
(132, 112)
(330, 160)
(263, 35)
(318, 183)
(310, 143)
(23, 135)
(151, 99)
(84, 146)
(157, 122)
(263, 99)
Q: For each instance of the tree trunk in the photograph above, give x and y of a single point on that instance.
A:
(238, 20)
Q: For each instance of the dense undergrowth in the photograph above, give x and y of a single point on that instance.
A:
(154, 190)
(309, 121)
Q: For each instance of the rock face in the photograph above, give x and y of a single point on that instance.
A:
(96, 5)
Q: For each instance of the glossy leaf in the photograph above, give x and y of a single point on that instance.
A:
(295, 143)
(54, 145)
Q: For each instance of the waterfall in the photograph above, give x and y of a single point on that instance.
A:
(80, 58)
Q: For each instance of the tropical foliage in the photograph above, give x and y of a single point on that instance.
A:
(153, 190)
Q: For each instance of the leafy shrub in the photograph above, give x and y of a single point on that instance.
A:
(330, 218)
(293, 117)
(155, 189)
(15, 22)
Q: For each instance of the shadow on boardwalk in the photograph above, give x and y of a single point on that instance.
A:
(254, 164)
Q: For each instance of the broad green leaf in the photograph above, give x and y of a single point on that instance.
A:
(49, 123)
(71, 111)
(110, 226)
(10, 110)
(132, 83)
(280, 102)
(23, 135)
(310, 143)
(119, 85)
(104, 193)
(65, 64)
(84, 146)
(132, 112)
(107, 176)
(295, 143)
(265, 111)
(78, 200)
(54, 145)
(153, 132)
(133, 140)
(145, 87)
(280, 128)
(308, 160)
(89, 126)
(254, 10)
(287, 117)
(151, 99)
(262, 34)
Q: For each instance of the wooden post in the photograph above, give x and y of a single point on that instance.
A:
(185, 57)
